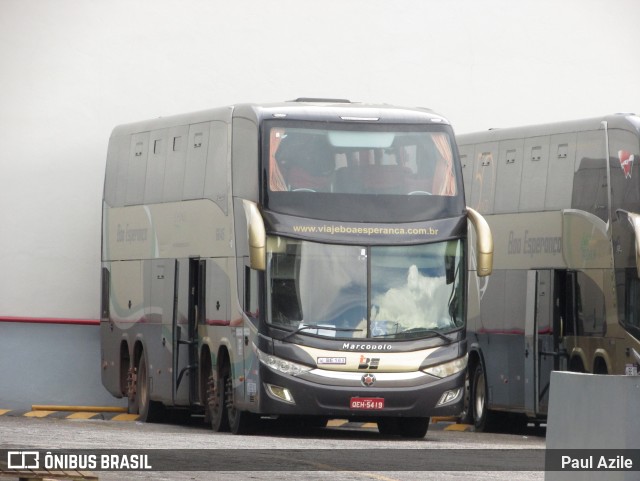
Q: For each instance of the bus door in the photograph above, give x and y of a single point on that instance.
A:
(564, 302)
(158, 326)
(539, 342)
(189, 312)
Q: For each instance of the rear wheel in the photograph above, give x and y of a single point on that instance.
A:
(148, 410)
(216, 411)
(133, 403)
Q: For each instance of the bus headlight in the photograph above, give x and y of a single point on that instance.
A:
(448, 368)
(282, 365)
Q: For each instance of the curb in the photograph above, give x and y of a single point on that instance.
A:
(344, 423)
(72, 412)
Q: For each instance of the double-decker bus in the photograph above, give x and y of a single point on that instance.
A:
(306, 259)
(563, 204)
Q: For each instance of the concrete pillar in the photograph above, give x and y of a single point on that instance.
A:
(598, 415)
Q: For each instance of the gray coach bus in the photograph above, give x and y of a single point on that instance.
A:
(302, 259)
(563, 204)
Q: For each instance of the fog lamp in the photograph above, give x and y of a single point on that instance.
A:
(280, 393)
(450, 397)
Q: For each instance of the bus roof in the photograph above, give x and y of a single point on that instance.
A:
(307, 109)
(624, 121)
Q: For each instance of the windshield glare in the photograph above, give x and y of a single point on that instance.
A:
(390, 292)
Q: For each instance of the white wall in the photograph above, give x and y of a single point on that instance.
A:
(70, 70)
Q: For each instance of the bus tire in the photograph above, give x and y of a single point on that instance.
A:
(303, 422)
(415, 428)
(466, 416)
(132, 396)
(482, 417)
(314, 421)
(388, 426)
(148, 410)
(240, 422)
(215, 402)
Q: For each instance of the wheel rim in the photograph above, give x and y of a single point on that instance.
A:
(466, 404)
(216, 402)
(142, 384)
(228, 399)
(479, 395)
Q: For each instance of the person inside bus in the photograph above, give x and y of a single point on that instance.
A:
(370, 171)
(305, 162)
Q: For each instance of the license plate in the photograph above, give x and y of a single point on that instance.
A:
(369, 403)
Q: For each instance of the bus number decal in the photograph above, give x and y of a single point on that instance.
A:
(332, 360)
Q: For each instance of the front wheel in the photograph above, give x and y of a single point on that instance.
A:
(415, 428)
(483, 418)
(466, 416)
(240, 422)
(388, 426)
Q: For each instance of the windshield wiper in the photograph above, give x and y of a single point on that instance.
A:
(419, 330)
(319, 327)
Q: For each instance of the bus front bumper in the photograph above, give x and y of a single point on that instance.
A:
(373, 395)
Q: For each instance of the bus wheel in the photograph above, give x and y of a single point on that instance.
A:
(483, 418)
(466, 416)
(215, 403)
(303, 422)
(132, 396)
(415, 428)
(314, 421)
(148, 410)
(406, 427)
(240, 422)
(388, 426)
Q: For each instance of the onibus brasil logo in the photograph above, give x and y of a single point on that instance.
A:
(23, 460)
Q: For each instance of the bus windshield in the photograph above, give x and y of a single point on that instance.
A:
(397, 160)
(347, 291)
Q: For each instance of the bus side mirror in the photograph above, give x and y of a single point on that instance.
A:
(256, 236)
(484, 243)
(634, 221)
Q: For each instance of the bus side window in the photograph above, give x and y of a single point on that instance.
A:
(106, 287)
(632, 304)
(623, 159)
(589, 304)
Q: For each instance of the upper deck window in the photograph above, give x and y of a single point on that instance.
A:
(350, 160)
